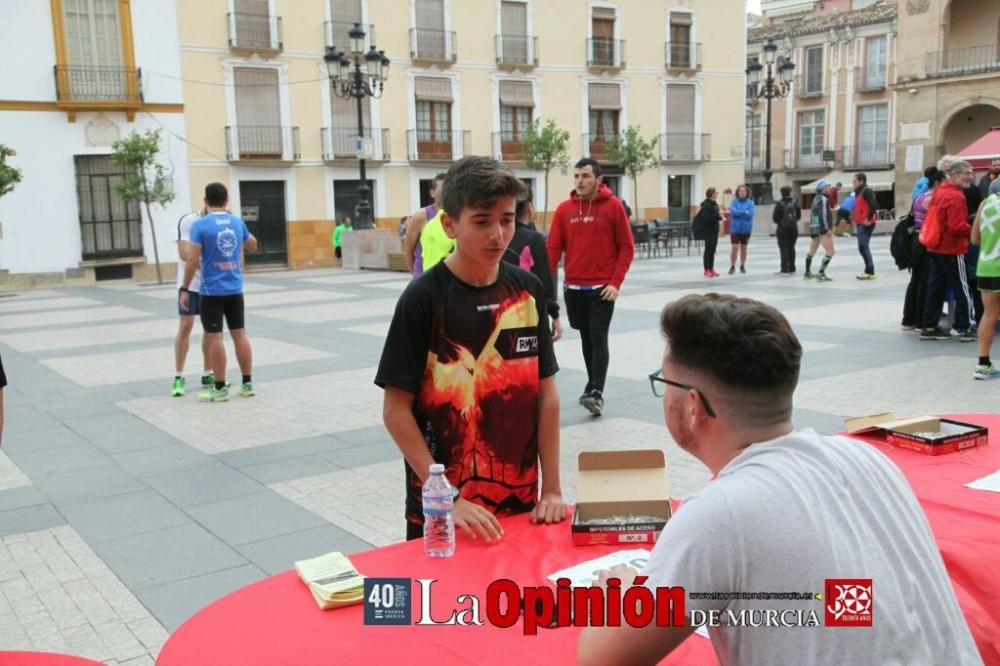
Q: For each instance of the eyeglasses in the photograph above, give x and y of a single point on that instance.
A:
(657, 378)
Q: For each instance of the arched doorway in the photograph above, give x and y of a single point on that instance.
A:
(968, 125)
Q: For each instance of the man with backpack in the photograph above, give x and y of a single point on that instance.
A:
(865, 217)
(787, 215)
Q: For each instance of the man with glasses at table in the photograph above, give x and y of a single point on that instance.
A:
(786, 510)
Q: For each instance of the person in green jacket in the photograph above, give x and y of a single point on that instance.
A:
(338, 235)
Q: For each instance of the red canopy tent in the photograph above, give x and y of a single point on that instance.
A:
(980, 152)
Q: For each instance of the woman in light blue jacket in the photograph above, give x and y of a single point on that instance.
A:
(742, 210)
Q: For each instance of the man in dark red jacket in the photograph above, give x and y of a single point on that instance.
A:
(865, 216)
(946, 253)
(592, 230)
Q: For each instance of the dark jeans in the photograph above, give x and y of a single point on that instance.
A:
(864, 238)
(947, 270)
(787, 235)
(971, 259)
(711, 241)
(591, 315)
(916, 290)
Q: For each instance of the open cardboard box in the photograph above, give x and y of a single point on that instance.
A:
(902, 432)
(620, 483)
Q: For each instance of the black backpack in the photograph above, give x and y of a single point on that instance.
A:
(790, 218)
(901, 245)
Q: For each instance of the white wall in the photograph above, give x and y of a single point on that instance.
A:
(27, 52)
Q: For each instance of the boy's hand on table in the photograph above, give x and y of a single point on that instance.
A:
(550, 509)
(476, 521)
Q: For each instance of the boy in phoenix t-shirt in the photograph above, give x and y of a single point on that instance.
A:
(469, 370)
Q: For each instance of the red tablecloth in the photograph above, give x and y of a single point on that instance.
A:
(275, 621)
(43, 659)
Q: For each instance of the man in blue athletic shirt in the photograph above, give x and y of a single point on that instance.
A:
(217, 242)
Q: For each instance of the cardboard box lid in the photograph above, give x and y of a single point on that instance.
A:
(622, 476)
(886, 421)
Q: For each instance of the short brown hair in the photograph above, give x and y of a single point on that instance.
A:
(740, 343)
(477, 182)
(709, 193)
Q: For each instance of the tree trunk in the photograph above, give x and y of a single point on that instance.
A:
(152, 228)
(545, 215)
(635, 195)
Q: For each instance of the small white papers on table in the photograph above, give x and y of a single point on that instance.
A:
(583, 574)
(991, 482)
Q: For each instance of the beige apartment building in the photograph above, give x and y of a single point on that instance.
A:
(839, 116)
(948, 81)
(466, 77)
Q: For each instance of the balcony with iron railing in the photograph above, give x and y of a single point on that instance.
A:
(508, 146)
(90, 87)
(262, 143)
(869, 156)
(871, 78)
(963, 62)
(599, 146)
(429, 145)
(341, 143)
(335, 33)
(682, 56)
(685, 147)
(808, 87)
(799, 160)
(254, 32)
(517, 51)
(606, 53)
(437, 46)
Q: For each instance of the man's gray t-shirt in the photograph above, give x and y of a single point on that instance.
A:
(787, 514)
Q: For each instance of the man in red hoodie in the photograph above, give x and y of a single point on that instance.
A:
(592, 230)
(946, 251)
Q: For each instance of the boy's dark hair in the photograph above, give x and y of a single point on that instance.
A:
(216, 195)
(744, 345)
(709, 192)
(862, 177)
(591, 162)
(786, 191)
(522, 204)
(937, 177)
(438, 178)
(930, 171)
(477, 182)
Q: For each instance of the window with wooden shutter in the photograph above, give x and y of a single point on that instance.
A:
(258, 111)
(433, 105)
(604, 105)
(602, 21)
(516, 103)
(680, 40)
(680, 141)
(514, 32)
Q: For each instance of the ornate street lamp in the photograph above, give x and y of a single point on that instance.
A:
(359, 75)
(769, 88)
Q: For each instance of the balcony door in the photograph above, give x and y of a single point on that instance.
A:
(680, 40)
(258, 113)
(344, 126)
(875, 70)
(516, 108)
(873, 135)
(253, 23)
(434, 131)
(431, 41)
(93, 50)
(514, 31)
(603, 28)
(812, 125)
(680, 141)
(605, 107)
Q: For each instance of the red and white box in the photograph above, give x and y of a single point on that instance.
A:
(904, 433)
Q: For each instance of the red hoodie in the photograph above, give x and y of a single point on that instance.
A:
(953, 216)
(596, 237)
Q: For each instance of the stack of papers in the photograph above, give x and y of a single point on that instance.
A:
(332, 580)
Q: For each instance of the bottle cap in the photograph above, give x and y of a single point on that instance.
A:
(437, 468)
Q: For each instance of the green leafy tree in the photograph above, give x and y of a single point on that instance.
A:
(634, 154)
(145, 182)
(9, 176)
(545, 147)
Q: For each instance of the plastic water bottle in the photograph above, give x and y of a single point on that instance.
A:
(439, 522)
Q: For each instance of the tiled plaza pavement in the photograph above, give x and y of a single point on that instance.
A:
(123, 511)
